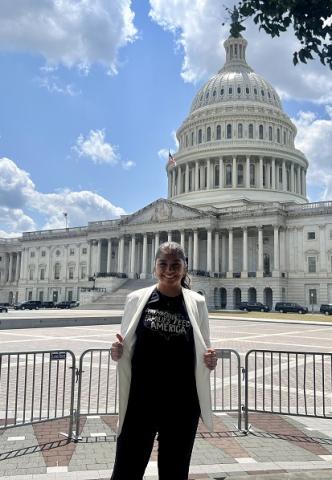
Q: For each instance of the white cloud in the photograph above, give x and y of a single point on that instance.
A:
(128, 165)
(95, 147)
(163, 154)
(199, 34)
(314, 138)
(74, 33)
(20, 200)
(53, 84)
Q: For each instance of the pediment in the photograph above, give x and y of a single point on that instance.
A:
(160, 211)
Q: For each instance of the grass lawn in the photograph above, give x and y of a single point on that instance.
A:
(308, 317)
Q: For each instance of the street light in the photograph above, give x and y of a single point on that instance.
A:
(312, 301)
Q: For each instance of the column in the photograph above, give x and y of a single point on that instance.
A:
(209, 251)
(268, 174)
(133, 256)
(244, 272)
(216, 252)
(99, 256)
(190, 251)
(169, 236)
(292, 182)
(303, 182)
(221, 172)
(178, 190)
(208, 180)
(182, 233)
(260, 180)
(230, 253)
(298, 187)
(195, 252)
(153, 249)
(276, 260)
(223, 252)
(121, 254)
(173, 182)
(187, 178)
(300, 261)
(260, 252)
(10, 268)
(322, 244)
(283, 250)
(89, 260)
(196, 175)
(145, 255)
(284, 176)
(248, 171)
(273, 174)
(234, 182)
(109, 255)
(202, 186)
(156, 242)
(17, 269)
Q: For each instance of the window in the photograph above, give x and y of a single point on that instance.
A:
(261, 132)
(71, 251)
(218, 132)
(42, 274)
(222, 92)
(263, 93)
(0, 259)
(229, 131)
(252, 174)
(192, 138)
(285, 138)
(313, 296)
(240, 130)
(41, 296)
(70, 295)
(228, 175)
(43, 253)
(312, 264)
(230, 90)
(31, 274)
(251, 130)
(311, 235)
(280, 175)
(32, 254)
(214, 93)
(30, 295)
(270, 134)
(238, 89)
(216, 175)
(57, 268)
(57, 253)
(84, 251)
(199, 136)
(207, 95)
(240, 174)
(247, 90)
(255, 91)
(278, 135)
(71, 273)
(208, 134)
(83, 272)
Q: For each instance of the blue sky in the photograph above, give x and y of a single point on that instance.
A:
(91, 97)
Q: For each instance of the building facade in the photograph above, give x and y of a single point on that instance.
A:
(236, 202)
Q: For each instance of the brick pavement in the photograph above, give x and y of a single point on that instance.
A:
(275, 446)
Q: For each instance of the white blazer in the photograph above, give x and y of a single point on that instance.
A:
(198, 314)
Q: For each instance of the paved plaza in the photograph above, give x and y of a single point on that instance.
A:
(278, 446)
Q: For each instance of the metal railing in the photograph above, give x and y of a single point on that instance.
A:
(288, 383)
(36, 387)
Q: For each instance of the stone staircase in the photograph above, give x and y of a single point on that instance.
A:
(116, 300)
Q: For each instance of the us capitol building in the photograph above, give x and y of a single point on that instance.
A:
(236, 202)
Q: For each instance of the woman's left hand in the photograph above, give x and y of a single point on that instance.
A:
(210, 358)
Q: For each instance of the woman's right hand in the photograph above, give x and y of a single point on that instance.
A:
(117, 348)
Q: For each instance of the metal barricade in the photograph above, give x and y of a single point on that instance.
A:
(36, 387)
(97, 386)
(288, 383)
(226, 384)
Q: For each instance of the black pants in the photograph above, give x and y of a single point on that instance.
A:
(176, 435)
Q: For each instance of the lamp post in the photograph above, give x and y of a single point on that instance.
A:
(312, 301)
(94, 281)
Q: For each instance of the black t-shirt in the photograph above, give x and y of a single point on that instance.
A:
(163, 362)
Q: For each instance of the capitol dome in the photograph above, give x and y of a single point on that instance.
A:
(237, 144)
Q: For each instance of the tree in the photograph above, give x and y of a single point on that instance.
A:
(311, 20)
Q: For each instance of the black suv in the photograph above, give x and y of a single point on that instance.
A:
(253, 307)
(47, 304)
(67, 304)
(286, 307)
(3, 309)
(28, 305)
(326, 308)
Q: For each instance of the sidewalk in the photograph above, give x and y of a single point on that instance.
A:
(276, 448)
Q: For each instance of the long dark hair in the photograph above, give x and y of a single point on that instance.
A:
(173, 248)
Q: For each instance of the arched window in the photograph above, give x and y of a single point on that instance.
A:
(229, 131)
(216, 175)
(218, 132)
(57, 268)
(208, 134)
(270, 134)
(278, 135)
(251, 130)
(240, 130)
(261, 132)
(240, 174)
(199, 136)
(228, 175)
(252, 174)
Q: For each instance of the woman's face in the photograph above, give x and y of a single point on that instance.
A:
(170, 270)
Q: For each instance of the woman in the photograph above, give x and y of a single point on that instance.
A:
(164, 368)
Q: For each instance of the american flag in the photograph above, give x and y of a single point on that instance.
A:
(171, 159)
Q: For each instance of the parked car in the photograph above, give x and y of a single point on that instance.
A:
(67, 304)
(28, 305)
(48, 304)
(286, 307)
(326, 308)
(3, 309)
(254, 307)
